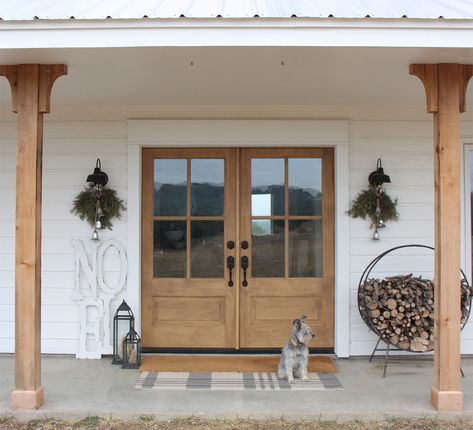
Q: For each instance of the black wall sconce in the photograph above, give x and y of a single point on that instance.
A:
(98, 179)
(376, 179)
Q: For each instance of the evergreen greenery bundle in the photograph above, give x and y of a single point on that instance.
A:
(84, 206)
(364, 206)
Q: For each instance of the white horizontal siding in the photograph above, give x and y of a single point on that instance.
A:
(70, 151)
(406, 150)
(71, 148)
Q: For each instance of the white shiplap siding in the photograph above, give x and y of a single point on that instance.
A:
(406, 150)
(70, 151)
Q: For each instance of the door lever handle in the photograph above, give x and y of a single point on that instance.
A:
(230, 267)
(244, 265)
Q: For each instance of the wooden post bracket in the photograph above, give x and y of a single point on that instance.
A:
(428, 74)
(48, 73)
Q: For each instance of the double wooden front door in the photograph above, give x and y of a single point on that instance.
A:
(236, 244)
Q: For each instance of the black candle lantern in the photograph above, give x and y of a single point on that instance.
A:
(131, 350)
(123, 323)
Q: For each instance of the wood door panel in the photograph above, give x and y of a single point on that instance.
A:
(195, 309)
(186, 335)
(284, 308)
(193, 287)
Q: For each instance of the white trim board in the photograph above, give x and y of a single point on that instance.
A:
(237, 133)
(105, 33)
(245, 133)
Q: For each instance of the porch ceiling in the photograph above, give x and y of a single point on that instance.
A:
(237, 76)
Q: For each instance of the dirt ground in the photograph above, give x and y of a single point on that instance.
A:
(146, 422)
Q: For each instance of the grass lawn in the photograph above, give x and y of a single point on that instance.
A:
(147, 422)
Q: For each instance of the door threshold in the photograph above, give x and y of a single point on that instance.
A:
(228, 351)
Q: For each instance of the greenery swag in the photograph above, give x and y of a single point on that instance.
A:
(364, 206)
(84, 206)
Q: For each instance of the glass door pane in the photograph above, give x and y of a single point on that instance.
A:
(189, 218)
(286, 217)
(170, 187)
(268, 248)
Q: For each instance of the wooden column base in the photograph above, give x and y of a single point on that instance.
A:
(447, 401)
(27, 400)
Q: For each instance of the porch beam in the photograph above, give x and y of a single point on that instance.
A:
(445, 87)
(31, 86)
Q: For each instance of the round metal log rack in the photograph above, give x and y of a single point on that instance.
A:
(364, 311)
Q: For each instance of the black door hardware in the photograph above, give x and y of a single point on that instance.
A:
(230, 267)
(244, 266)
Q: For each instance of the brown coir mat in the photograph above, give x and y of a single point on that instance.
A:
(226, 363)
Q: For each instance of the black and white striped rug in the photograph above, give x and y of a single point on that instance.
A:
(215, 381)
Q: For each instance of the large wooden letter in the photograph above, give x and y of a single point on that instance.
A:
(31, 86)
(445, 87)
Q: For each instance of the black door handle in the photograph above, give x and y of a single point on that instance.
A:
(230, 267)
(244, 265)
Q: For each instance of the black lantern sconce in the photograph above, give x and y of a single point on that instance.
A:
(98, 179)
(131, 350)
(123, 323)
(378, 177)
(376, 180)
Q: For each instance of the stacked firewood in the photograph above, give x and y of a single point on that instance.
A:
(401, 310)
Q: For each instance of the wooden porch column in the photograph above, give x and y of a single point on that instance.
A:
(31, 86)
(445, 87)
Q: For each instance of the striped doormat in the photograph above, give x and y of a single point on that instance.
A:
(228, 381)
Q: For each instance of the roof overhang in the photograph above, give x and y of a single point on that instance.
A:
(219, 32)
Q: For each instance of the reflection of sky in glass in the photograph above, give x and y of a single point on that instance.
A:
(267, 171)
(261, 204)
(169, 172)
(305, 173)
(207, 171)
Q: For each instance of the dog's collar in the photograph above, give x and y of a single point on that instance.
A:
(296, 343)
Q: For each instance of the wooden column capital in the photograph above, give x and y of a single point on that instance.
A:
(47, 75)
(429, 75)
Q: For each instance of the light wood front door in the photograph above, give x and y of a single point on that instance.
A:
(187, 223)
(270, 212)
(287, 220)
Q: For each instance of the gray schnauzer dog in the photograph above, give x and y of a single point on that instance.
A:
(295, 354)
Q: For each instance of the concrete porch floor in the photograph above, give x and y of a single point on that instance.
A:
(77, 388)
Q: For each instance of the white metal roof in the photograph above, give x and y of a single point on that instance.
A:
(21, 10)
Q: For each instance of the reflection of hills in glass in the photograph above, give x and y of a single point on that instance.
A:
(302, 201)
(206, 199)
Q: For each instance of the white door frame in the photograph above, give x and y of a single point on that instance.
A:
(244, 133)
